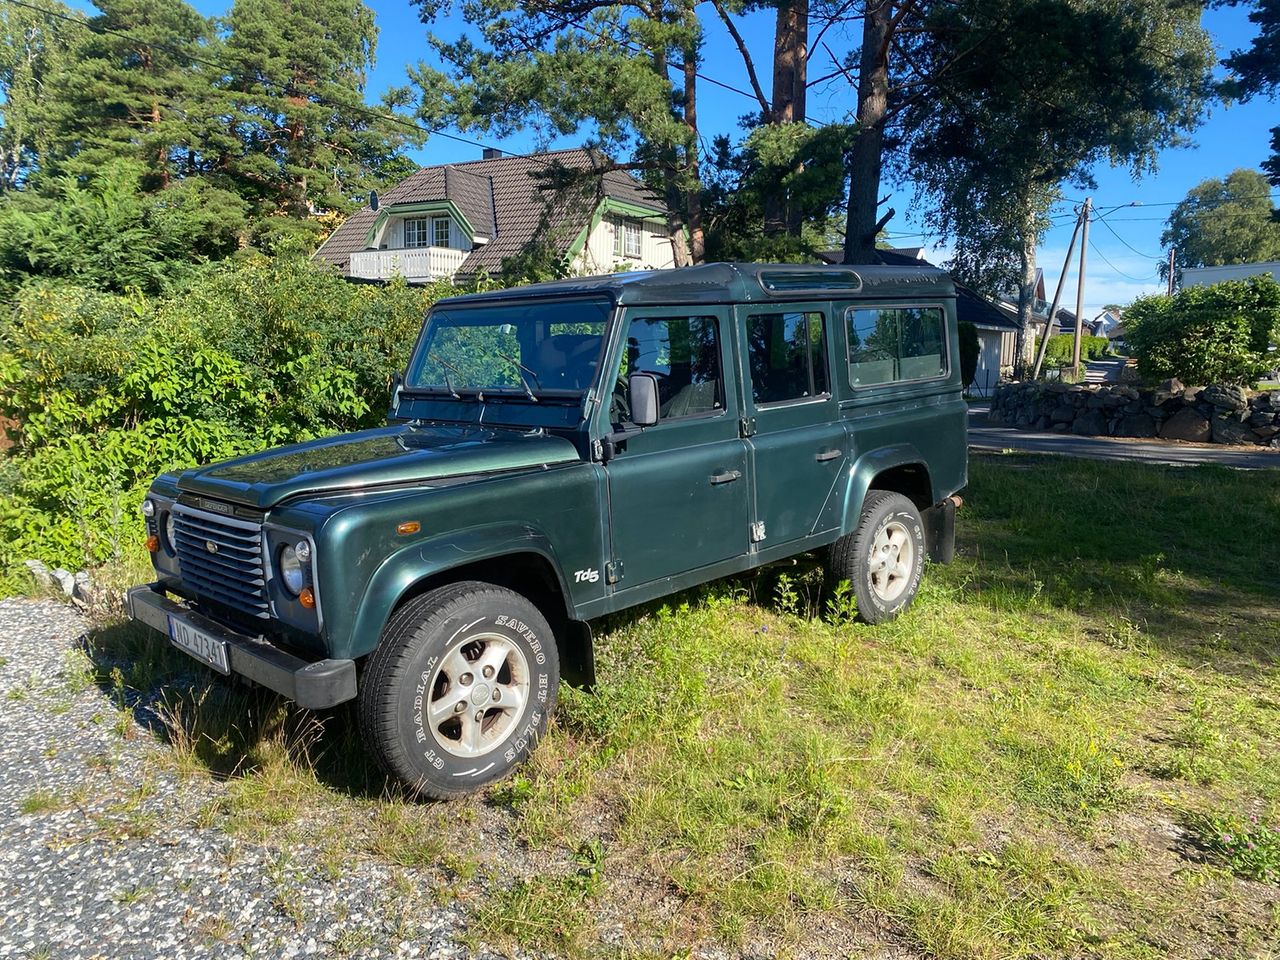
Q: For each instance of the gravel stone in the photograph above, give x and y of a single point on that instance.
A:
(93, 866)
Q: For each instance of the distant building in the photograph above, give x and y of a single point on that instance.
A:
(1204, 276)
(458, 220)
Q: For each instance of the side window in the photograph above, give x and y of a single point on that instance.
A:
(787, 356)
(684, 353)
(889, 344)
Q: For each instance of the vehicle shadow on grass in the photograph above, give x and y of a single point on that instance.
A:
(225, 727)
(1189, 555)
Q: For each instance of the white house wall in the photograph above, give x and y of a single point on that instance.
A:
(598, 257)
(1204, 276)
(393, 233)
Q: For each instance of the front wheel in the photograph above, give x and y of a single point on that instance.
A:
(459, 689)
(883, 558)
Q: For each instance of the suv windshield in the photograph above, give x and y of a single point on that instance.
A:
(528, 348)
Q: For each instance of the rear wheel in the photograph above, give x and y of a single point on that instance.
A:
(883, 558)
(459, 689)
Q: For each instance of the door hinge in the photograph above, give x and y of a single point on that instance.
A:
(757, 531)
(747, 427)
(613, 571)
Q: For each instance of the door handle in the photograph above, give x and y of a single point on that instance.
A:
(725, 476)
(825, 455)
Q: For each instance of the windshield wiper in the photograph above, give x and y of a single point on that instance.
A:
(521, 370)
(443, 365)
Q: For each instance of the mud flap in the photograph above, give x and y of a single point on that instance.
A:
(940, 531)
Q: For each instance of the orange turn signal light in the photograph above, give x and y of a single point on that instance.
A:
(408, 527)
(153, 543)
(307, 598)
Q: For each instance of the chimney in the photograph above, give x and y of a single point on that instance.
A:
(491, 153)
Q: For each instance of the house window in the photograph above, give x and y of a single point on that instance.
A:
(892, 344)
(415, 232)
(626, 239)
(440, 231)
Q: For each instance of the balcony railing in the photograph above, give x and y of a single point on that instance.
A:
(415, 263)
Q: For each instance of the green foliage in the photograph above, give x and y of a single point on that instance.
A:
(1215, 334)
(1223, 222)
(1256, 70)
(969, 350)
(108, 391)
(1061, 349)
(109, 235)
(1251, 848)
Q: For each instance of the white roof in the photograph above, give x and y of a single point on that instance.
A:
(1203, 276)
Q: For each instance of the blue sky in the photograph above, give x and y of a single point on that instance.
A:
(1121, 264)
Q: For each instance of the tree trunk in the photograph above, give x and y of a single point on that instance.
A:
(693, 176)
(865, 154)
(790, 76)
(671, 191)
(1025, 359)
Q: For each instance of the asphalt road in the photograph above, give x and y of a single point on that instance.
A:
(984, 437)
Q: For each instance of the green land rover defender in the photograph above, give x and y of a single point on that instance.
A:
(555, 453)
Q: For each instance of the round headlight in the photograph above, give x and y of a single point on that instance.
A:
(303, 549)
(148, 508)
(170, 533)
(291, 571)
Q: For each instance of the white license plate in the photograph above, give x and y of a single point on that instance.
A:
(204, 647)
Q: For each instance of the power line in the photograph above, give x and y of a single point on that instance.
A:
(1103, 221)
(1127, 276)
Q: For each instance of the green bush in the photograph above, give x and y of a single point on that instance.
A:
(1060, 351)
(969, 349)
(1215, 334)
(106, 391)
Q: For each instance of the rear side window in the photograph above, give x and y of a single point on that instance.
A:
(684, 352)
(892, 344)
(787, 356)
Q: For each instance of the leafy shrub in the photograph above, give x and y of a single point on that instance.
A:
(1214, 334)
(108, 390)
(1060, 351)
(969, 349)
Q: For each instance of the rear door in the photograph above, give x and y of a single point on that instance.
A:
(678, 492)
(796, 442)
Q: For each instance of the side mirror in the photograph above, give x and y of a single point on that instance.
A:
(642, 395)
(397, 382)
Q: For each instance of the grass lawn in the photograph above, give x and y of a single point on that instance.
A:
(1067, 748)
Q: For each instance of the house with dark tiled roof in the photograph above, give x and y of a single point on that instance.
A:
(463, 220)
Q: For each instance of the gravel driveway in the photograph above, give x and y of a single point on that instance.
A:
(102, 855)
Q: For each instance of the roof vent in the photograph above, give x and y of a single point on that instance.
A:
(791, 281)
(491, 153)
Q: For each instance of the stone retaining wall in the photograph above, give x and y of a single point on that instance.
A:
(1172, 411)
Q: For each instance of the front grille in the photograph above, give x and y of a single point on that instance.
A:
(220, 558)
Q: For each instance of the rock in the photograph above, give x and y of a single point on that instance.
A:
(1136, 425)
(1227, 397)
(1113, 400)
(1260, 418)
(1169, 388)
(1231, 429)
(83, 591)
(1056, 386)
(1097, 401)
(1090, 424)
(1043, 423)
(43, 578)
(1267, 432)
(1063, 413)
(1187, 424)
(1191, 394)
(66, 582)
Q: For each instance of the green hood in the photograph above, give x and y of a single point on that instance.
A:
(388, 456)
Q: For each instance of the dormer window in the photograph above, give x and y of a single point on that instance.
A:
(626, 239)
(440, 231)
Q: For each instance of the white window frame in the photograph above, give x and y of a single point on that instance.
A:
(628, 239)
(416, 232)
(436, 224)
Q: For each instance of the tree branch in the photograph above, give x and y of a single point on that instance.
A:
(746, 56)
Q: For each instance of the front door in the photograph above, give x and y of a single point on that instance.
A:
(797, 443)
(678, 492)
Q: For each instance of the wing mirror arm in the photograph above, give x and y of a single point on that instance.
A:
(642, 397)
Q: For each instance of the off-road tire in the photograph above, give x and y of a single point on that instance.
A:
(417, 645)
(850, 558)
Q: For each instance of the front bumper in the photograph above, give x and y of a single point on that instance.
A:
(311, 684)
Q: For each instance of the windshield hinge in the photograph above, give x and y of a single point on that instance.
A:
(747, 427)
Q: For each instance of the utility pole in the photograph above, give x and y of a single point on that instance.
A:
(1057, 298)
(1172, 251)
(1084, 248)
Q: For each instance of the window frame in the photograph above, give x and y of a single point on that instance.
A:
(421, 232)
(624, 228)
(435, 231)
(824, 359)
(722, 393)
(940, 308)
